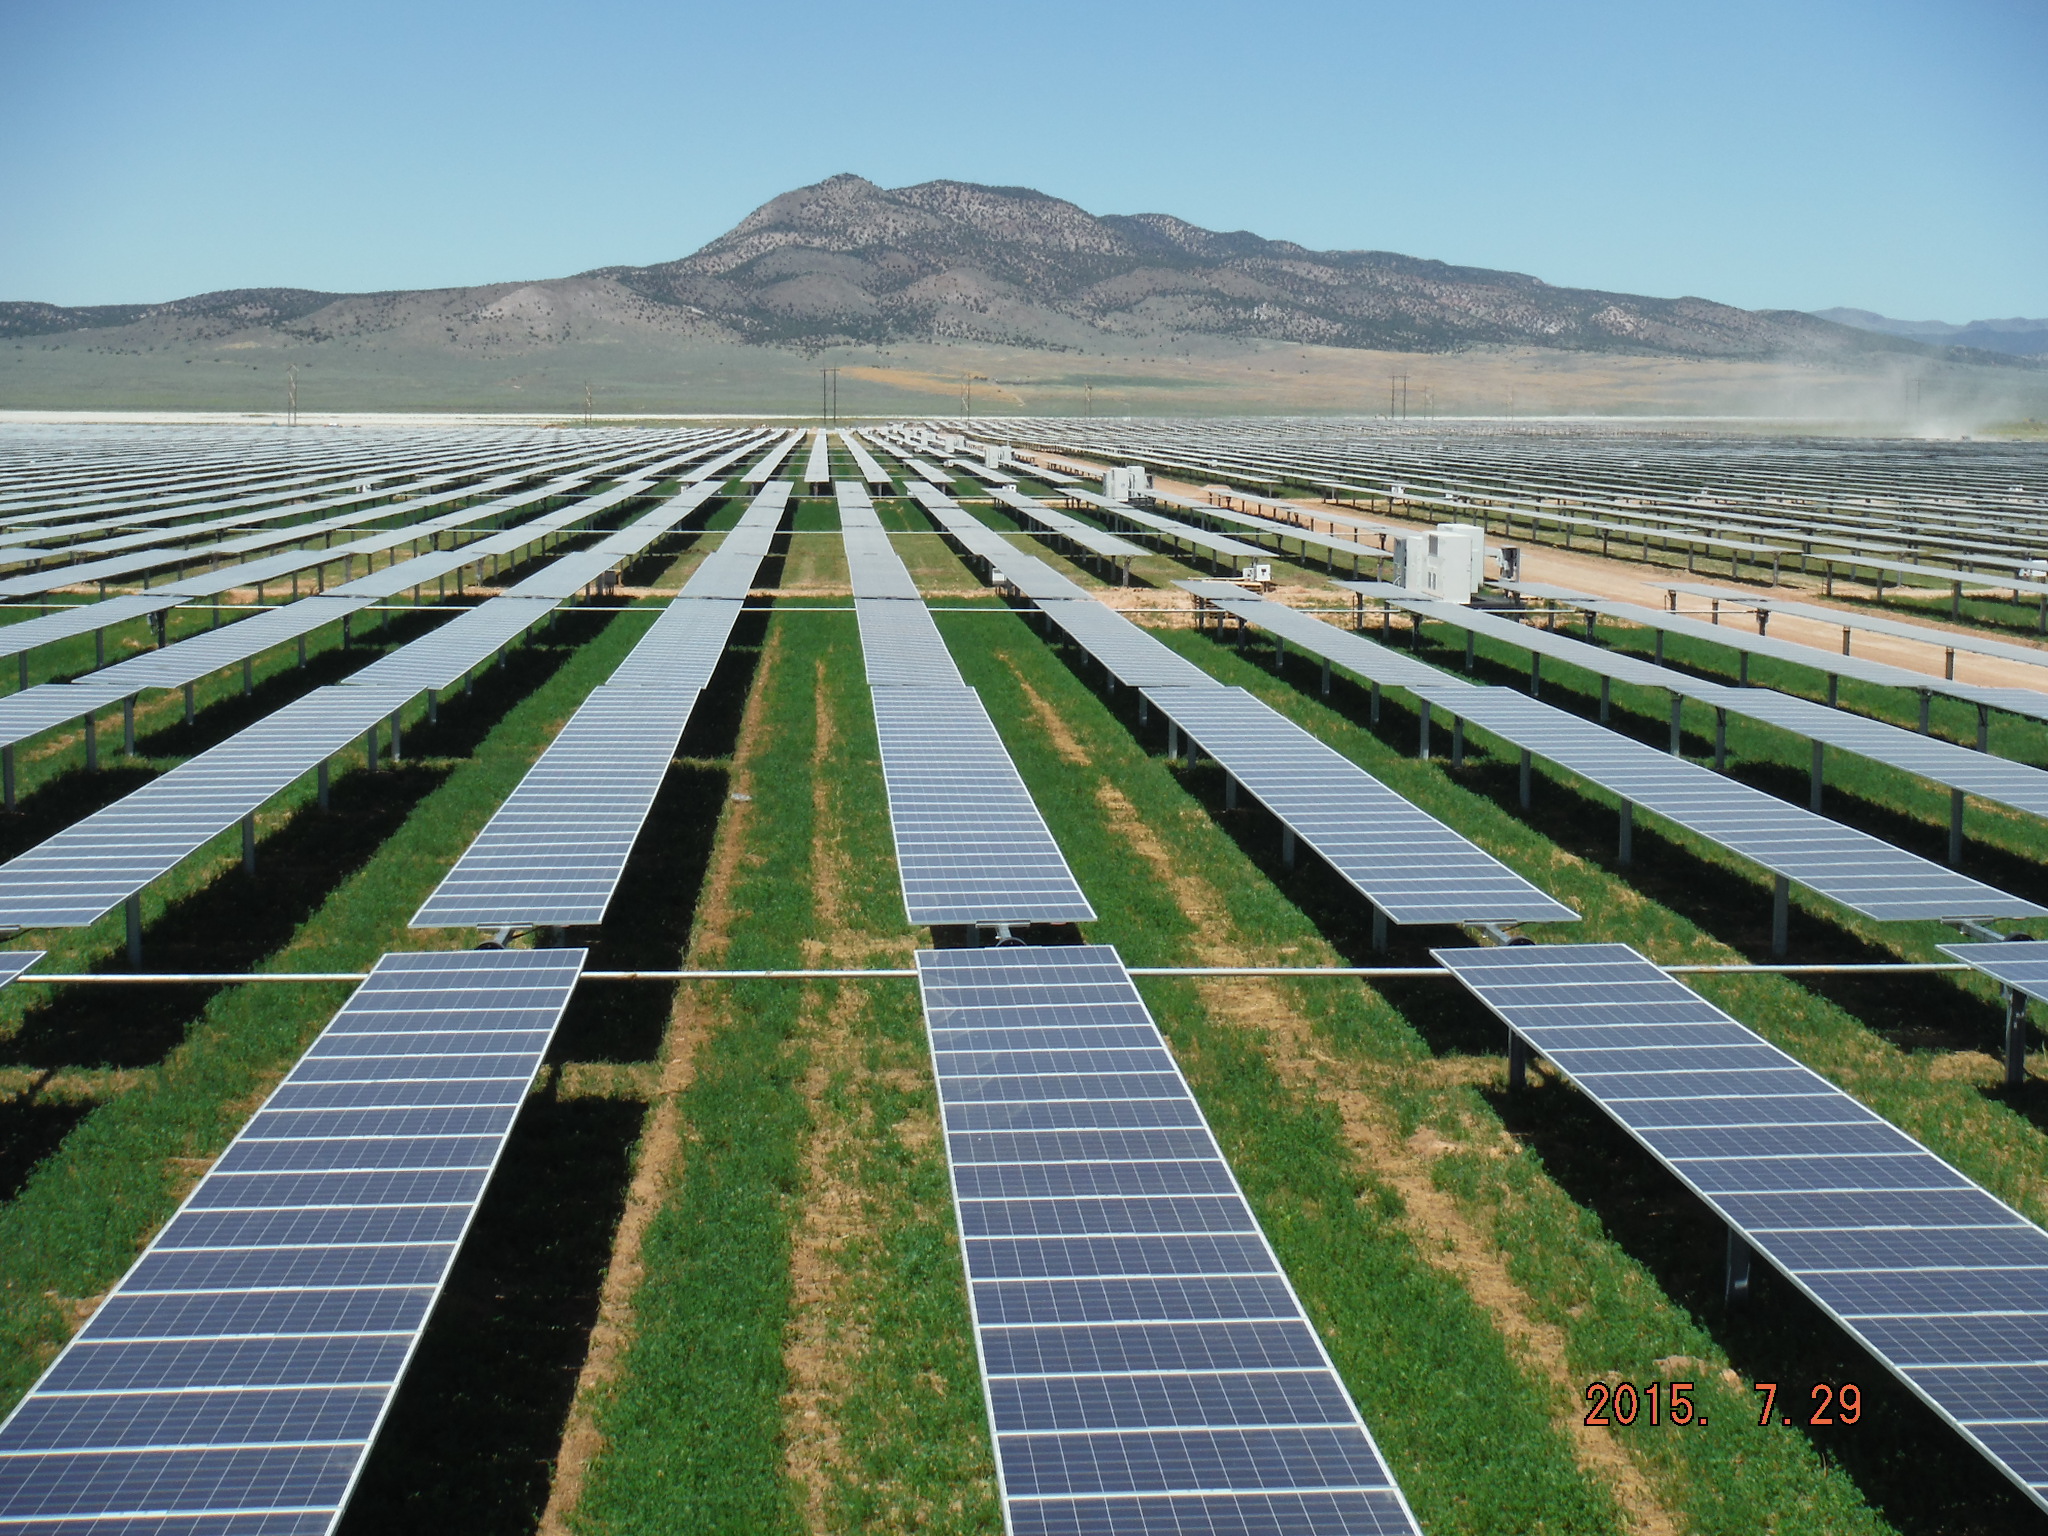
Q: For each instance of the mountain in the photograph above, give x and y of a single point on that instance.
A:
(2016, 337)
(846, 262)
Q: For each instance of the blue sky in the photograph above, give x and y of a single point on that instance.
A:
(1890, 154)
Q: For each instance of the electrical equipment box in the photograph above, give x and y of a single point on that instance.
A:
(1261, 574)
(1122, 483)
(1447, 565)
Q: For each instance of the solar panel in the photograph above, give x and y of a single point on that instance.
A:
(902, 646)
(68, 880)
(1133, 657)
(1147, 1365)
(79, 619)
(2021, 964)
(191, 659)
(1857, 870)
(555, 850)
(818, 464)
(234, 1379)
(1943, 1283)
(970, 845)
(14, 961)
(1060, 525)
(876, 569)
(1400, 858)
(682, 648)
(458, 647)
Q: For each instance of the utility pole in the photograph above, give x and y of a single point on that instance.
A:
(586, 402)
(291, 395)
(1090, 391)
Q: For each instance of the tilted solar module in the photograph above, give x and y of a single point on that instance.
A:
(70, 879)
(970, 845)
(902, 646)
(234, 1379)
(2021, 964)
(1851, 867)
(555, 850)
(682, 648)
(1943, 1283)
(80, 619)
(1133, 657)
(1400, 858)
(460, 646)
(1148, 1367)
(876, 569)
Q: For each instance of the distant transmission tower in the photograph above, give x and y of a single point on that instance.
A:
(828, 396)
(586, 403)
(291, 395)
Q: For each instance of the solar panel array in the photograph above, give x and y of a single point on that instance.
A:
(1227, 550)
(1861, 872)
(1943, 1283)
(553, 854)
(872, 474)
(80, 619)
(69, 880)
(1929, 757)
(1148, 1367)
(234, 1379)
(1399, 857)
(903, 647)
(440, 660)
(1084, 537)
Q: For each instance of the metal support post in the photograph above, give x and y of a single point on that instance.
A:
(1627, 852)
(99, 649)
(92, 742)
(434, 707)
(1526, 776)
(132, 911)
(1518, 1063)
(302, 651)
(1172, 739)
(1813, 778)
(1720, 741)
(1677, 728)
(1834, 689)
(2015, 1037)
(21, 660)
(1956, 800)
(323, 783)
(1735, 1289)
(1781, 916)
(1470, 636)
(1229, 792)
(128, 726)
(1926, 703)
(1457, 741)
(1983, 728)
(1326, 677)
(249, 844)
(1535, 674)
(1742, 667)
(1606, 698)
(1375, 703)
(1660, 647)
(1287, 847)
(7, 774)
(397, 740)
(1422, 745)
(1379, 931)
(188, 704)
(248, 676)
(370, 748)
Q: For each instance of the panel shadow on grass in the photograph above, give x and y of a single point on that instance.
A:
(469, 1443)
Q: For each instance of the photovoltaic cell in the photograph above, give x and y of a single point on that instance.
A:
(1400, 858)
(970, 845)
(235, 1377)
(460, 646)
(1939, 1280)
(902, 646)
(2021, 964)
(1147, 1366)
